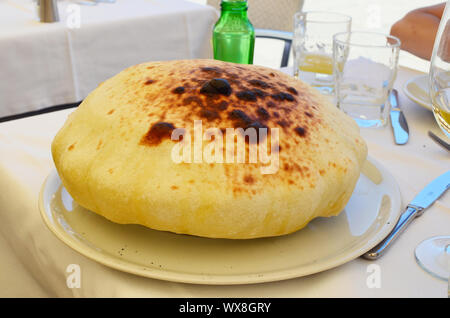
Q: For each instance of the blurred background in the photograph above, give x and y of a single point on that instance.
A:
(58, 64)
(368, 15)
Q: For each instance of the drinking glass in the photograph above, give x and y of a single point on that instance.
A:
(439, 76)
(313, 46)
(365, 67)
(433, 254)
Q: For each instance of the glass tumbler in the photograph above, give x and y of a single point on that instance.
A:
(313, 46)
(365, 67)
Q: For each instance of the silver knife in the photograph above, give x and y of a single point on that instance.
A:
(423, 200)
(398, 120)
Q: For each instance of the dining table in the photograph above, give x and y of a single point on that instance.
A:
(51, 64)
(34, 261)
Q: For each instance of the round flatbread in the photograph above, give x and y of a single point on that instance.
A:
(145, 148)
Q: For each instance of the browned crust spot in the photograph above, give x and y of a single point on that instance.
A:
(157, 133)
(178, 90)
(71, 146)
(300, 131)
(249, 179)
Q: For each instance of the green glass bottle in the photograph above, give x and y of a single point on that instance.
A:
(234, 35)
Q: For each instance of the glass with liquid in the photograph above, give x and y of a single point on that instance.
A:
(365, 67)
(439, 76)
(313, 46)
(441, 109)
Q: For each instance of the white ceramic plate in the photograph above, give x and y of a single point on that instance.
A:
(369, 216)
(417, 90)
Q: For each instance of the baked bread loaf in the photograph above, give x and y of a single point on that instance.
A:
(115, 153)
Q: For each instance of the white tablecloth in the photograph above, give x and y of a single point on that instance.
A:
(36, 260)
(44, 64)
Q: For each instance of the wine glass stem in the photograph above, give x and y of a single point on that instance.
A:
(447, 251)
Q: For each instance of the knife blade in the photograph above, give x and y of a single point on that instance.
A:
(398, 120)
(421, 201)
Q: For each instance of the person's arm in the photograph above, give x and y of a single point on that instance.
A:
(417, 30)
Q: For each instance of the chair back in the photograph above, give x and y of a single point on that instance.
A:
(270, 14)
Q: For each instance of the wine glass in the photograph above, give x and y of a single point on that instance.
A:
(433, 254)
(439, 76)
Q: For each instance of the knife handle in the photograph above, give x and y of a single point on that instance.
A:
(406, 218)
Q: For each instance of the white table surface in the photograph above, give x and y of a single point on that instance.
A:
(48, 64)
(35, 260)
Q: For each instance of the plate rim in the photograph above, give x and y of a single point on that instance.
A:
(214, 279)
(412, 97)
